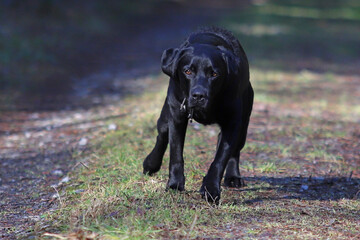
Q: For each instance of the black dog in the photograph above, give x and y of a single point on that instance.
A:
(209, 82)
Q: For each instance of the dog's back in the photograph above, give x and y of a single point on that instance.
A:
(218, 37)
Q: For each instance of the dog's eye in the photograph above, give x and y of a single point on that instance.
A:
(188, 72)
(214, 74)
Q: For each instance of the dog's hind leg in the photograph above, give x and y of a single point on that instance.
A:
(153, 161)
(232, 176)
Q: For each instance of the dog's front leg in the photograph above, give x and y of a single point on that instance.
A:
(177, 131)
(210, 188)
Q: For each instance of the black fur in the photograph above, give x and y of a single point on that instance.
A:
(209, 74)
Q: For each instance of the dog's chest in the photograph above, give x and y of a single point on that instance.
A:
(203, 117)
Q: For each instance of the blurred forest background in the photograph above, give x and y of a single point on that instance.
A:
(53, 48)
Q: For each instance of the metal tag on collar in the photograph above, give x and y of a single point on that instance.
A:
(182, 106)
(190, 116)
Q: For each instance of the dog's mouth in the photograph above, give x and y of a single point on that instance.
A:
(198, 104)
(197, 110)
(194, 109)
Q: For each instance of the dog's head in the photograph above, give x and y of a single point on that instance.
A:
(202, 71)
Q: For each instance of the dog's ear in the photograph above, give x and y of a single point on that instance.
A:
(238, 69)
(168, 61)
(233, 63)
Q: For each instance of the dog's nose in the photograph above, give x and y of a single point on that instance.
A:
(198, 95)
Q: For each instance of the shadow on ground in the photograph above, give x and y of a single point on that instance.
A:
(312, 188)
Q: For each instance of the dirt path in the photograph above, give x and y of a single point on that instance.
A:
(36, 154)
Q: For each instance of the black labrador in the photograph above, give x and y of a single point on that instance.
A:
(209, 82)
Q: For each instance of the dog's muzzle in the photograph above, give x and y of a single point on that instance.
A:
(198, 98)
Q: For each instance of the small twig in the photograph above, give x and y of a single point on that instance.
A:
(54, 235)
(193, 224)
(57, 192)
(78, 163)
(207, 200)
(84, 165)
(206, 197)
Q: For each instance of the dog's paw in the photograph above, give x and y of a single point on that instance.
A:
(210, 192)
(149, 167)
(148, 170)
(176, 184)
(234, 182)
